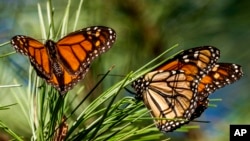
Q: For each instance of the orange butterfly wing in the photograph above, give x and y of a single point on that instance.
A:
(36, 52)
(78, 49)
(221, 75)
(66, 62)
(196, 61)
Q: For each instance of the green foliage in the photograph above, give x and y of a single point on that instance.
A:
(144, 30)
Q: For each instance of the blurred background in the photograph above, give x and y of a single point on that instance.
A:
(144, 30)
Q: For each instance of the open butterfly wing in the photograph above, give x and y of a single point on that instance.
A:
(36, 52)
(78, 49)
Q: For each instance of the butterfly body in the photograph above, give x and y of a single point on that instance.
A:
(62, 64)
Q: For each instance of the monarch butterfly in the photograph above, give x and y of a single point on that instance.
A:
(64, 63)
(177, 91)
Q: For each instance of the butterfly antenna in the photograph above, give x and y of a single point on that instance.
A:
(111, 75)
(201, 121)
(128, 90)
